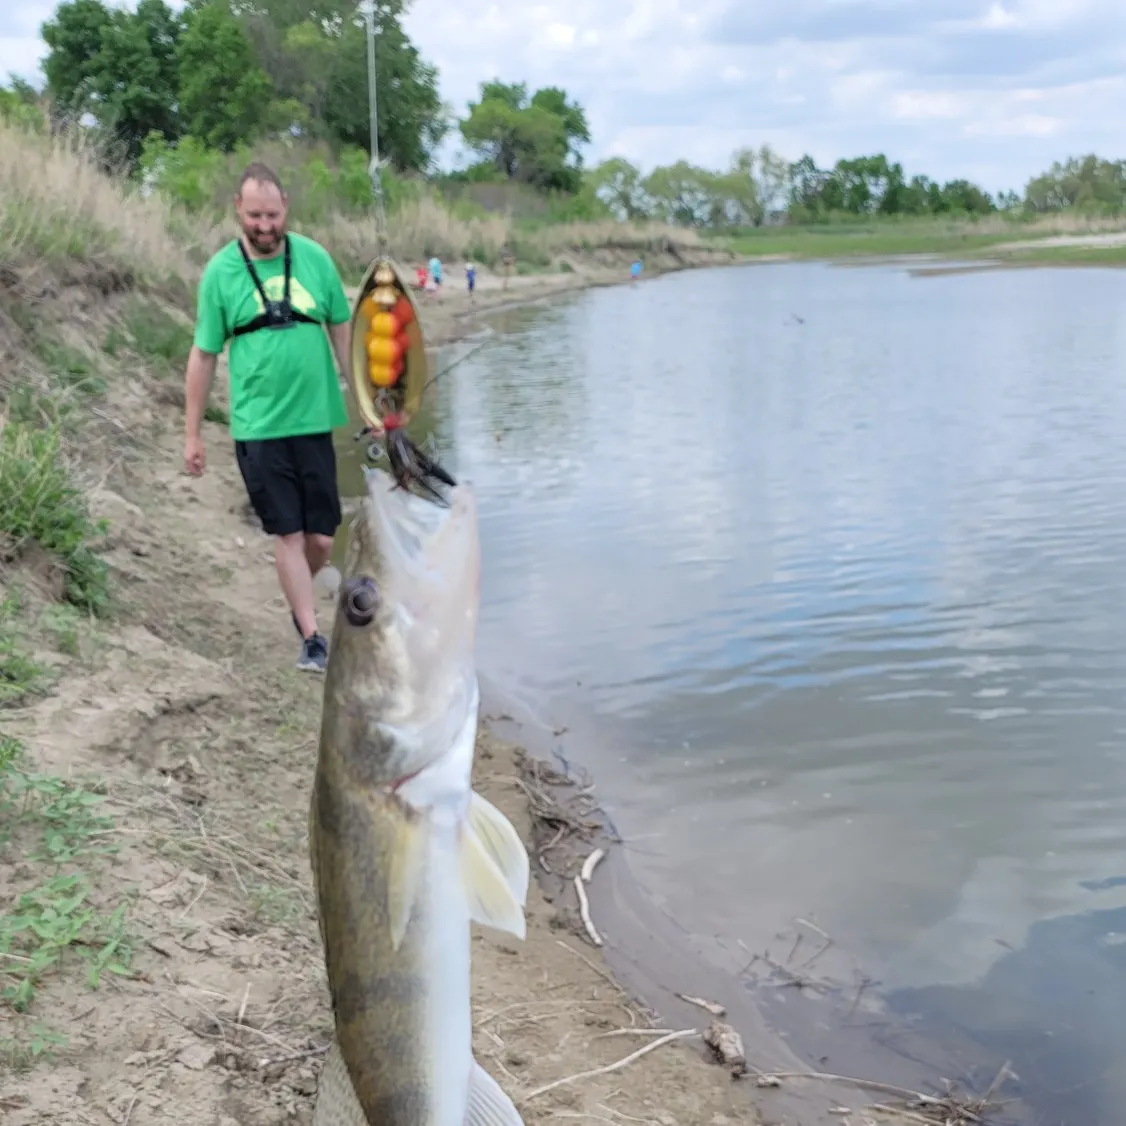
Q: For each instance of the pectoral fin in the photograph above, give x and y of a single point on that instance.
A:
(405, 867)
(488, 1104)
(503, 844)
(491, 855)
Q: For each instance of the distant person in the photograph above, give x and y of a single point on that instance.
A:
(422, 273)
(273, 294)
(436, 271)
(635, 269)
(470, 277)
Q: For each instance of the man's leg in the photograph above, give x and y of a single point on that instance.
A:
(296, 579)
(320, 499)
(273, 485)
(318, 551)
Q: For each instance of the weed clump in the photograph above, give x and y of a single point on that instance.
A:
(58, 826)
(41, 504)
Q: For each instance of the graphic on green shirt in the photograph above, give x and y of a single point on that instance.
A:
(283, 381)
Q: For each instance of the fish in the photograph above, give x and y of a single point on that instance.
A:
(404, 853)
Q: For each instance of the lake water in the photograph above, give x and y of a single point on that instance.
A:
(833, 560)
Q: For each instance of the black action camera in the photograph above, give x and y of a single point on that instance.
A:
(279, 314)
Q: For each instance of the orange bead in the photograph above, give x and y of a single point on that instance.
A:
(383, 351)
(382, 375)
(384, 324)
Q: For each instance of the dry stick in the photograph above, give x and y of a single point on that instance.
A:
(584, 911)
(295, 1056)
(870, 1084)
(601, 973)
(624, 1062)
(900, 1112)
(591, 863)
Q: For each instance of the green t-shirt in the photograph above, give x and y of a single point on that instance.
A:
(283, 381)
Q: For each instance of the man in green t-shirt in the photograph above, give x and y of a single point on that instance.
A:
(273, 294)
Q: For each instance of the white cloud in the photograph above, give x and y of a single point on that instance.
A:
(993, 90)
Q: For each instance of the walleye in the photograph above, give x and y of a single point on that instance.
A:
(404, 853)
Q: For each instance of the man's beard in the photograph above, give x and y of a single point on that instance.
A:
(265, 243)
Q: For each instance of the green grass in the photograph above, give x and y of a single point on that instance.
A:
(159, 337)
(41, 503)
(54, 922)
(880, 237)
(22, 677)
(69, 369)
(1067, 256)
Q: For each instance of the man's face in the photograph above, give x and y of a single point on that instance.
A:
(261, 209)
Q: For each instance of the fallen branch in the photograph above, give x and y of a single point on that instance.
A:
(584, 911)
(591, 863)
(624, 1062)
(295, 1056)
(713, 1007)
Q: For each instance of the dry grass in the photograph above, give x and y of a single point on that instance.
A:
(57, 202)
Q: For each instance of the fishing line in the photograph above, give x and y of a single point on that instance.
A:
(375, 168)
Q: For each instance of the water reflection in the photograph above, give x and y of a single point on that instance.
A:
(842, 595)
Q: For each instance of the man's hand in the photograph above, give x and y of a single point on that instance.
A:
(195, 459)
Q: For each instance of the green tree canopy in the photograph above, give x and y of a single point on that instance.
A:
(315, 52)
(535, 141)
(118, 65)
(215, 54)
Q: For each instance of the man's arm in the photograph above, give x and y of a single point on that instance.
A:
(341, 337)
(197, 389)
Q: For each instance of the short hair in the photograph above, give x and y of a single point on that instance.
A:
(263, 173)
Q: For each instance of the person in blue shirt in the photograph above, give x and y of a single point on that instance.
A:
(635, 269)
(470, 276)
(436, 271)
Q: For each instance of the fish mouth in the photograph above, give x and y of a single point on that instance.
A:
(413, 577)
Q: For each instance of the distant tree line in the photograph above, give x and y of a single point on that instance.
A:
(181, 96)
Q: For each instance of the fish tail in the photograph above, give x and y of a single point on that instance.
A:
(338, 1105)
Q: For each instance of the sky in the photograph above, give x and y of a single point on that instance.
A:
(989, 90)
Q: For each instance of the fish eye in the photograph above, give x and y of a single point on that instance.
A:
(360, 600)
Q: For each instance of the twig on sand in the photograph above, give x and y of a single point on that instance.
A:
(591, 863)
(590, 965)
(713, 1007)
(941, 1110)
(319, 1051)
(584, 911)
(624, 1062)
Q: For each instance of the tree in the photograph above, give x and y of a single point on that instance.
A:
(215, 54)
(618, 184)
(20, 105)
(315, 52)
(117, 65)
(534, 141)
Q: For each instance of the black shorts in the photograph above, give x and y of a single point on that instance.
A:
(291, 483)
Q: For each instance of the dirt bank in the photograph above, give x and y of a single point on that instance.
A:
(153, 796)
(449, 311)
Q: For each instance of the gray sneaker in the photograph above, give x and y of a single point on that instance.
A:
(314, 654)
